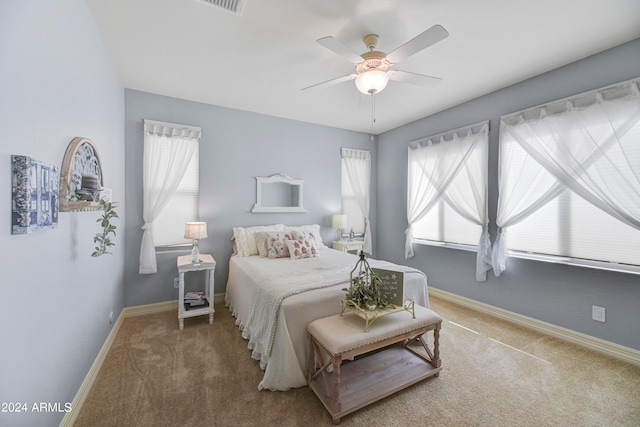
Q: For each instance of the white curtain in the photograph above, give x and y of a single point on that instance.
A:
(578, 145)
(358, 167)
(161, 176)
(447, 170)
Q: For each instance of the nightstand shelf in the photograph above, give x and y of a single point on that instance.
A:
(184, 266)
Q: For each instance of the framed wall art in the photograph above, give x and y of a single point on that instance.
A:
(34, 193)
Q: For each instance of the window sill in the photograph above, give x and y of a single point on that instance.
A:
(174, 248)
(600, 265)
(459, 246)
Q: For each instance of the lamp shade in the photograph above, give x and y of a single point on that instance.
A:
(372, 81)
(339, 221)
(195, 230)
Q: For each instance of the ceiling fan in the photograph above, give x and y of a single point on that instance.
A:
(372, 67)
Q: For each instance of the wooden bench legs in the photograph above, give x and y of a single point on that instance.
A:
(432, 357)
(398, 363)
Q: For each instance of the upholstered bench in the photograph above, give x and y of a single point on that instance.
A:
(349, 368)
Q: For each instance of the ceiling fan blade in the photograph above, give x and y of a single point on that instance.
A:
(337, 47)
(413, 78)
(331, 82)
(422, 41)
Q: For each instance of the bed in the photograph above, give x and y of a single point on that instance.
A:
(274, 298)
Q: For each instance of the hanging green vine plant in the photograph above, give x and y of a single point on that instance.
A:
(104, 239)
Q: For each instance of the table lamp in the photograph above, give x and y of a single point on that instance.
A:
(339, 222)
(195, 231)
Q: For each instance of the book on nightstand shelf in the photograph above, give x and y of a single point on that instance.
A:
(195, 300)
(193, 296)
(196, 305)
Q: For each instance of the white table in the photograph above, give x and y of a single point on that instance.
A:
(351, 246)
(206, 262)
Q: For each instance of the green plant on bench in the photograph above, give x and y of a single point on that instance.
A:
(364, 287)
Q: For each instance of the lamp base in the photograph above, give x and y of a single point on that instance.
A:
(195, 252)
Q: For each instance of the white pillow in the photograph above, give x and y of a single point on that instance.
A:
(312, 232)
(234, 246)
(300, 249)
(245, 237)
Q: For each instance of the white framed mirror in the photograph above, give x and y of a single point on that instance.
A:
(278, 193)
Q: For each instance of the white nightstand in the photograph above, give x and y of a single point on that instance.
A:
(353, 246)
(184, 266)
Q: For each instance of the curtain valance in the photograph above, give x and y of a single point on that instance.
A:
(352, 153)
(172, 129)
(449, 135)
(618, 91)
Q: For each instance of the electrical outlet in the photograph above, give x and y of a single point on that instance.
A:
(598, 313)
(176, 283)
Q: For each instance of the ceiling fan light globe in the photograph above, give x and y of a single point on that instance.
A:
(372, 81)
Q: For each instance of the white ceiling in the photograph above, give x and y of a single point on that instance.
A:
(260, 60)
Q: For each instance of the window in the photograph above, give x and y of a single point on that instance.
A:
(570, 181)
(447, 192)
(442, 224)
(356, 177)
(171, 187)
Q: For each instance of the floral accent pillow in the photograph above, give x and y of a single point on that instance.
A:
(300, 249)
(313, 230)
(274, 243)
(310, 236)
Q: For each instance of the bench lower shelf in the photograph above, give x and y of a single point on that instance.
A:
(372, 377)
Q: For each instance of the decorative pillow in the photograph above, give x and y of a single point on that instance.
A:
(245, 240)
(312, 232)
(265, 241)
(262, 244)
(275, 243)
(300, 249)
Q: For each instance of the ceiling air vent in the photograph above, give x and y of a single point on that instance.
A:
(233, 6)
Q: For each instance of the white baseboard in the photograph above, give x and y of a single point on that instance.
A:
(140, 310)
(617, 351)
(71, 416)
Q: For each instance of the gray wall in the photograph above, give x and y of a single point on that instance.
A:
(559, 294)
(58, 83)
(236, 147)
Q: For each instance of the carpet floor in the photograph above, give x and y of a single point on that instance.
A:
(493, 374)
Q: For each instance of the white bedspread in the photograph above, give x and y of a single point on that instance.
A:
(300, 292)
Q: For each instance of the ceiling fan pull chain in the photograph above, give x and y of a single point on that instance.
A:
(373, 111)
